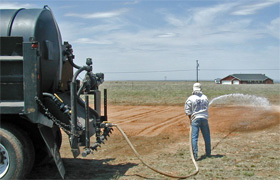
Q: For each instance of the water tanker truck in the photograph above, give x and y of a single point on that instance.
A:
(41, 95)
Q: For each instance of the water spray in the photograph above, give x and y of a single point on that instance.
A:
(108, 124)
(242, 99)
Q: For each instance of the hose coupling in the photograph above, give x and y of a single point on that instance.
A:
(106, 124)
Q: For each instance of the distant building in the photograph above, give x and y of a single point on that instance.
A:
(246, 79)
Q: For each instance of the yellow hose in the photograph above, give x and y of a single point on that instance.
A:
(160, 172)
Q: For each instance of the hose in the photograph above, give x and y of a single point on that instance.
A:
(160, 172)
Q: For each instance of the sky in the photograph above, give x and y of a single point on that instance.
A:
(164, 39)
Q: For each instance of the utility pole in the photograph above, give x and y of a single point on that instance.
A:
(197, 65)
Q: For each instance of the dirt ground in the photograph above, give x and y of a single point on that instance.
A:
(245, 145)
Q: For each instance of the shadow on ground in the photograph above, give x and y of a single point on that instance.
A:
(82, 169)
(212, 156)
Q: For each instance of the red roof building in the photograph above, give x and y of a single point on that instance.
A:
(247, 79)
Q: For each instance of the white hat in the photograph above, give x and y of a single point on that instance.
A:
(197, 87)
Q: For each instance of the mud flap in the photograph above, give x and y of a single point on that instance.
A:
(49, 139)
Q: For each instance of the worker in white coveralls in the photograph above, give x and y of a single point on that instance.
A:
(196, 108)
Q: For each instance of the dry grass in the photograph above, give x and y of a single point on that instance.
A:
(176, 92)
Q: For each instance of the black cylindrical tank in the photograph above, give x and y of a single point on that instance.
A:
(40, 25)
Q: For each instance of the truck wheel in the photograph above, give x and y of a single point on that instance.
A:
(28, 148)
(29, 152)
(11, 156)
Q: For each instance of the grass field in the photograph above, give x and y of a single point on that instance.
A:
(176, 92)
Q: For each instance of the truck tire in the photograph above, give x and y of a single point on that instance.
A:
(11, 156)
(29, 152)
(27, 144)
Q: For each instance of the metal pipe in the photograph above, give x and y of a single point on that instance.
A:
(73, 86)
(73, 91)
(81, 89)
(98, 122)
(105, 104)
(73, 138)
(48, 94)
(197, 65)
(70, 59)
(76, 74)
(87, 140)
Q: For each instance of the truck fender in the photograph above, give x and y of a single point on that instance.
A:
(50, 141)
